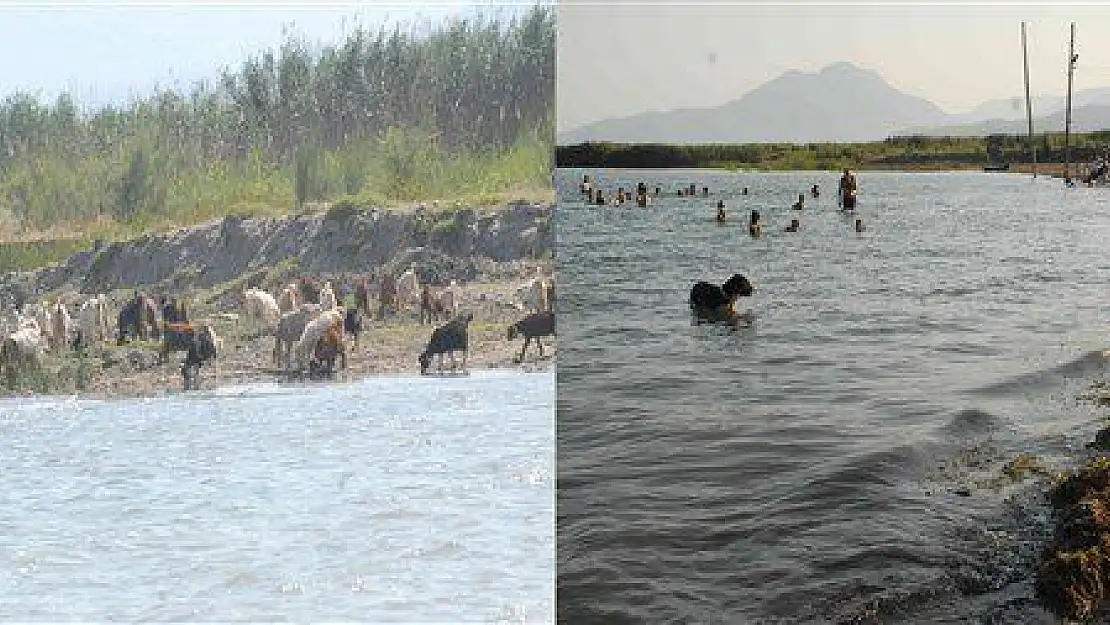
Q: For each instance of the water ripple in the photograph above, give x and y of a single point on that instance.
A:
(381, 499)
(804, 469)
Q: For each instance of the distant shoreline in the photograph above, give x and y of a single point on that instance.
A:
(1055, 170)
(912, 154)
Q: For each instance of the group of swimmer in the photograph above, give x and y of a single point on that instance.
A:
(846, 195)
(643, 197)
(596, 197)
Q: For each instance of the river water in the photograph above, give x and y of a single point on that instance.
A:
(387, 499)
(840, 460)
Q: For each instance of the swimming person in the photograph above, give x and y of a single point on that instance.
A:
(755, 227)
(800, 203)
(720, 211)
(815, 191)
(848, 190)
(745, 191)
(793, 227)
(859, 225)
(585, 188)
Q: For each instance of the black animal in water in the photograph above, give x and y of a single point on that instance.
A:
(712, 303)
(532, 328)
(449, 338)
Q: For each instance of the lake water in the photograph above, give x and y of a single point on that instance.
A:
(840, 460)
(387, 499)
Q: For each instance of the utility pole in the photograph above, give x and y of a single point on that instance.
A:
(1072, 58)
(1028, 101)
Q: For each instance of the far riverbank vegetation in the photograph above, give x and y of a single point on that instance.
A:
(910, 153)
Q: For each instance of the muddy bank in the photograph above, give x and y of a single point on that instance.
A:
(491, 253)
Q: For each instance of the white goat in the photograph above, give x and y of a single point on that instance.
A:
(261, 309)
(408, 289)
(289, 299)
(290, 329)
(313, 332)
(328, 300)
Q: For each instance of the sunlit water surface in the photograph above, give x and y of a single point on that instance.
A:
(414, 499)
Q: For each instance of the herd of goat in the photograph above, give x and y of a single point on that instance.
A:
(306, 318)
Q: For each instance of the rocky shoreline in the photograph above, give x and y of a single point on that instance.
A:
(490, 252)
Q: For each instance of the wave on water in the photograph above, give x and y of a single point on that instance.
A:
(971, 422)
(1083, 368)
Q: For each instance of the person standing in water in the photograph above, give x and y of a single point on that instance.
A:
(755, 226)
(848, 190)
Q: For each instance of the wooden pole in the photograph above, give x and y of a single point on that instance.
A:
(1028, 100)
(1067, 114)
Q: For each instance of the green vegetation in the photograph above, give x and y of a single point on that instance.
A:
(893, 153)
(28, 254)
(462, 111)
(56, 374)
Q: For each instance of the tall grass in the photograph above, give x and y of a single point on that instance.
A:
(462, 110)
(389, 176)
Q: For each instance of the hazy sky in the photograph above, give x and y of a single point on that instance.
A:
(616, 59)
(102, 51)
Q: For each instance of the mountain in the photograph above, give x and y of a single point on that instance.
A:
(1083, 119)
(841, 102)
(1008, 108)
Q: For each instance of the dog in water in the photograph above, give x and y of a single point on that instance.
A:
(716, 304)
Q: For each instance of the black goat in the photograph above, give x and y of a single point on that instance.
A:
(449, 338)
(201, 347)
(532, 328)
(352, 323)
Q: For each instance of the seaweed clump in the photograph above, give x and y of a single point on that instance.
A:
(1102, 440)
(1023, 466)
(1073, 574)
